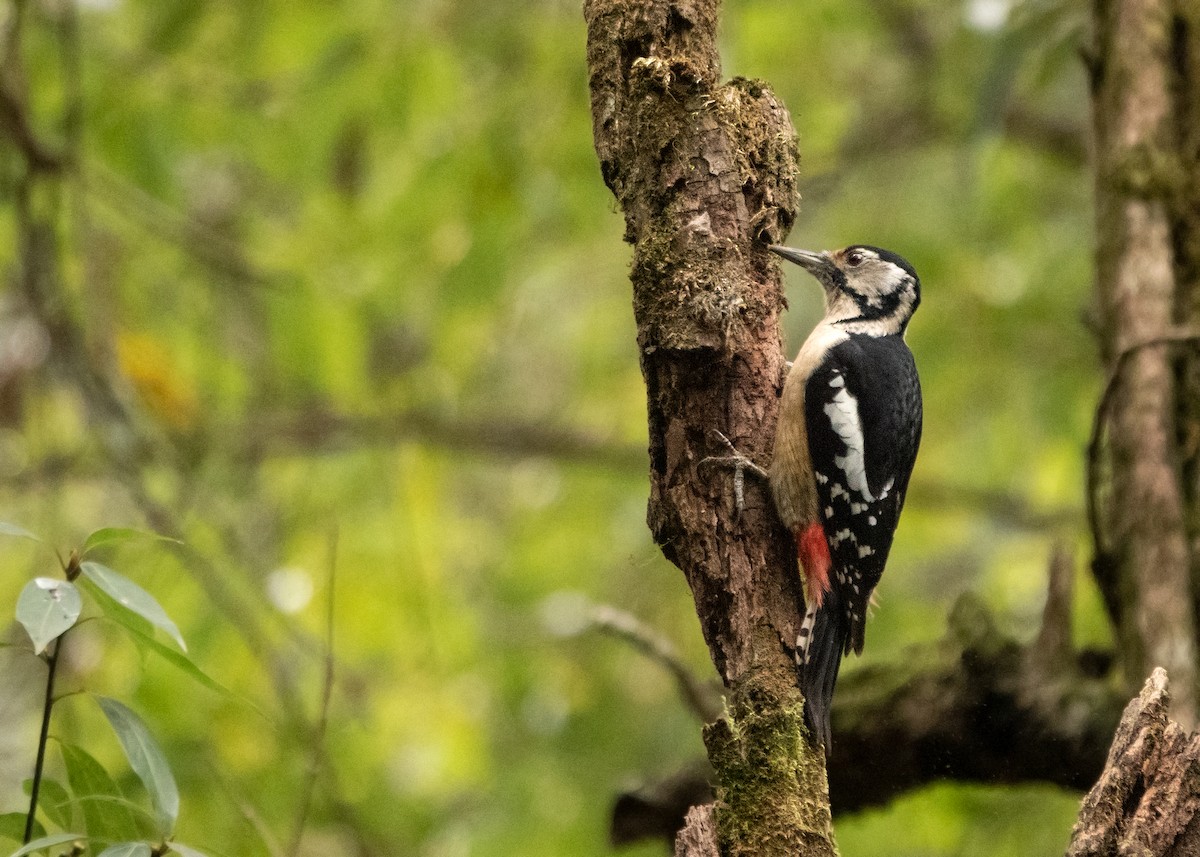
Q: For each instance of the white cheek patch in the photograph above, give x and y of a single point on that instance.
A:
(843, 416)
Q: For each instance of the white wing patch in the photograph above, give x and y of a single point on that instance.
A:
(842, 411)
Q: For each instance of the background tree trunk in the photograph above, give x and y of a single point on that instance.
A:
(1140, 88)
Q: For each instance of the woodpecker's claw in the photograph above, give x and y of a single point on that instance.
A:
(740, 465)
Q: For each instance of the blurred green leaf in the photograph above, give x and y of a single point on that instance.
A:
(48, 842)
(182, 662)
(111, 822)
(127, 849)
(133, 598)
(7, 529)
(186, 851)
(12, 826)
(115, 611)
(146, 759)
(53, 799)
(46, 608)
(144, 822)
(116, 535)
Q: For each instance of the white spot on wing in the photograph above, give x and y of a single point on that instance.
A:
(865, 551)
(842, 411)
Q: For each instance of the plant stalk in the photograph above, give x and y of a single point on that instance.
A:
(48, 705)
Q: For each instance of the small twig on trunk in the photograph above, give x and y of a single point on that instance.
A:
(1100, 419)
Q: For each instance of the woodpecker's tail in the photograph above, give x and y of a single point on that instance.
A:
(820, 658)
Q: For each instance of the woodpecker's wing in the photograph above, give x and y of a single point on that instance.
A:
(863, 411)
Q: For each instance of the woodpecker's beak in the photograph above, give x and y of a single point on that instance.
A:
(820, 265)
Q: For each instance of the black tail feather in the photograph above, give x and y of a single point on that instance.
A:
(824, 658)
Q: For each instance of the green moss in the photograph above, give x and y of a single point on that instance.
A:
(772, 795)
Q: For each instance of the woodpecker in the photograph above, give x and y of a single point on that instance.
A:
(847, 437)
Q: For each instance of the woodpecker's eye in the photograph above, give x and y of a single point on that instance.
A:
(854, 259)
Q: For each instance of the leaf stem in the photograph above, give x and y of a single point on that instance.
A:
(43, 739)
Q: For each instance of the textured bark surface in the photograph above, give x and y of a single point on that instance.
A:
(1186, 233)
(701, 169)
(1145, 802)
(1146, 567)
(699, 835)
(705, 172)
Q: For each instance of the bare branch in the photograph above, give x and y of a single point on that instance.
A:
(322, 430)
(700, 698)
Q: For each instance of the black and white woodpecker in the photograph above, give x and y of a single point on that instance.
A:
(849, 427)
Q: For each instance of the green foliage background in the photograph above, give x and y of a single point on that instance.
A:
(353, 272)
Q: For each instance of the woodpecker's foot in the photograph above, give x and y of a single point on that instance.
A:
(739, 464)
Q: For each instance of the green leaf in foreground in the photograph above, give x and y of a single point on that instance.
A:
(116, 535)
(47, 842)
(12, 826)
(127, 849)
(47, 607)
(110, 820)
(146, 643)
(132, 597)
(53, 799)
(146, 759)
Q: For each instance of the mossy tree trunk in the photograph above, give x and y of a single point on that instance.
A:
(704, 172)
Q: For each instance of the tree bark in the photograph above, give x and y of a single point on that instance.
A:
(705, 174)
(1145, 802)
(1143, 562)
(1186, 239)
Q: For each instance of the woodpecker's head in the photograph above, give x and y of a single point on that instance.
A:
(867, 290)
